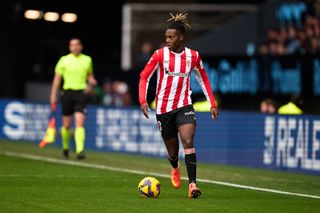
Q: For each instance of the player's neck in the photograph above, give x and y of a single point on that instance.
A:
(180, 49)
(76, 55)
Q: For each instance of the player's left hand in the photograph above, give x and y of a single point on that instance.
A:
(145, 109)
(89, 89)
(214, 113)
(92, 82)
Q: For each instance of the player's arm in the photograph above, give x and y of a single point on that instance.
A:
(59, 70)
(54, 90)
(91, 83)
(203, 80)
(91, 80)
(145, 76)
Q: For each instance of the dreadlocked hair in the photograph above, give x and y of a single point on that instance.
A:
(178, 22)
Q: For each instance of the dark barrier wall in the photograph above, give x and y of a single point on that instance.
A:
(290, 143)
(281, 75)
(242, 82)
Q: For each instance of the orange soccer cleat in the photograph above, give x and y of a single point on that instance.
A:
(194, 192)
(175, 177)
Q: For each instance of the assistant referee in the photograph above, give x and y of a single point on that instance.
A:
(76, 70)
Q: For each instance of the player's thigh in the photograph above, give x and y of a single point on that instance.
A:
(185, 115)
(67, 102)
(186, 124)
(167, 127)
(80, 102)
(187, 132)
(172, 146)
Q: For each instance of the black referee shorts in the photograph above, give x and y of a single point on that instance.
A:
(73, 101)
(169, 122)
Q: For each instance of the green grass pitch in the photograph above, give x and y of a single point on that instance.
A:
(38, 186)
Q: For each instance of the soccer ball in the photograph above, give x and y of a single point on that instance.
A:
(149, 187)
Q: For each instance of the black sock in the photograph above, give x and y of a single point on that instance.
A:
(174, 163)
(191, 164)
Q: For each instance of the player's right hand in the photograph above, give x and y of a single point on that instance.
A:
(53, 106)
(145, 109)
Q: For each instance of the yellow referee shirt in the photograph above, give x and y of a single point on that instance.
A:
(74, 70)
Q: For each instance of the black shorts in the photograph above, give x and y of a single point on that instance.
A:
(73, 101)
(169, 122)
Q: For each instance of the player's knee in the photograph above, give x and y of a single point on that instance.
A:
(66, 123)
(79, 122)
(188, 143)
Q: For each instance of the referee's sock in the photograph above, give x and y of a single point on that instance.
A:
(191, 164)
(65, 135)
(79, 137)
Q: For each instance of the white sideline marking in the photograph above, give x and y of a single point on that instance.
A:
(132, 171)
(52, 176)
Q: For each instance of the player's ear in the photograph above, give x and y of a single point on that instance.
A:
(181, 37)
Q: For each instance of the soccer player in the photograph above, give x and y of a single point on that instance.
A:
(76, 70)
(175, 114)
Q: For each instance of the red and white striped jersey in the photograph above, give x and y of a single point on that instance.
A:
(173, 79)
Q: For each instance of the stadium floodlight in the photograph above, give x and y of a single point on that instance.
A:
(69, 17)
(33, 14)
(51, 16)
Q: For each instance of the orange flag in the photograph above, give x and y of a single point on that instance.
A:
(50, 135)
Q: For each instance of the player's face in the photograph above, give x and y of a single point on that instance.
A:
(173, 39)
(75, 46)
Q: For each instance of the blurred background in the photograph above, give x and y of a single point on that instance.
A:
(253, 50)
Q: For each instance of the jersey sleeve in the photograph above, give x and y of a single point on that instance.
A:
(59, 66)
(145, 76)
(90, 68)
(203, 80)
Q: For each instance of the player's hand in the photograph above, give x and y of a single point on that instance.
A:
(214, 113)
(89, 89)
(53, 101)
(92, 81)
(145, 109)
(53, 106)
